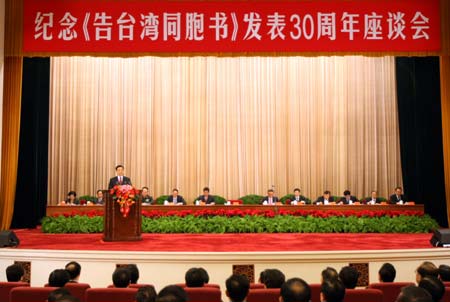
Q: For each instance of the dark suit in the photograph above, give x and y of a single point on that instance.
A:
(208, 200)
(115, 182)
(147, 200)
(75, 202)
(266, 199)
(99, 201)
(180, 199)
(345, 201)
(301, 197)
(321, 200)
(369, 199)
(393, 199)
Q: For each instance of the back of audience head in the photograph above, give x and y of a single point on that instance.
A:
(74, 270)
(332, 291)
(58, 278)
(349, 277)
(172, 293)
(204, 274)
(68, 299)
(427, 268)
(194, 278)
(121, 277)
(272, 278)
(387, 273)
(134, 273)
(434, 286)
(444, 273)
(14, 273)
(413, 293)
(146, 294)
(329, 274)
(295, 290)
(58, 293)
(237, 288)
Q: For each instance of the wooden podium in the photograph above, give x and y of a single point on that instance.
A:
(117, 227)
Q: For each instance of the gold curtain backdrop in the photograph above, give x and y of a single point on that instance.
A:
(239, 125)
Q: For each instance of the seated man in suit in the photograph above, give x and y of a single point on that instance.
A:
(174, 199)
(398, 197)
(326, 198)
(205, 199)
(298, 199)
(147, 200)
(373, 199)
(348, 198)
(270, 199)
(120, 179)
(99, 199)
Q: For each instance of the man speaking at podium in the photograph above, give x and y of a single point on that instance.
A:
(120, 179)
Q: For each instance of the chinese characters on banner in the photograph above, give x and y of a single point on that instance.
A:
(231, 26)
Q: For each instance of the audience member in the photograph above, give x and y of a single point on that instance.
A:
(146, 294)
(444, 273)
(434, 286)
(272, 278)
(329, 274)
(14, 273)
(172, 293)
(413, 293)
(67, 298)
(57, 294)
(237, 288)
(58, 278)
(204, 275)
(121, 277)
(134, 273)
(194, 278)
(427, 268)
(349, 276)
(74, 270)
(295, 290)
(387, 273)
(332, 291)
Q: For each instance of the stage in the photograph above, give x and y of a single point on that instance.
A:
(164, 258)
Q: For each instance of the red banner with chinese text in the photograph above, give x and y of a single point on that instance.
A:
(231, 26)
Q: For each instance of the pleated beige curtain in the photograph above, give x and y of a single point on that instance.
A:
(239, 125)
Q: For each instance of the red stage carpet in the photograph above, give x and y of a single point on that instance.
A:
(35, 239)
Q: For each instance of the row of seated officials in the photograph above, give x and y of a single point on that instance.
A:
(334, 286)
(207, 199)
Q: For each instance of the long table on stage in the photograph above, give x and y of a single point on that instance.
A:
(55, 210)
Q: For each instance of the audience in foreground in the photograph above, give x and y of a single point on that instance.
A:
(74, 270)
(427, 268)
(121, 277)
(172, 293)
(194, 277)
(413, 293)
(332, 291)
(134, 273)
(58, 278)
(444, 273)
(146, 294)
(349, 277)
(329, 274)
(387, 273)
(57, 294)
(238, 287)
(434, 286)
(295, 290)
(272, 278)
(14, 273)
